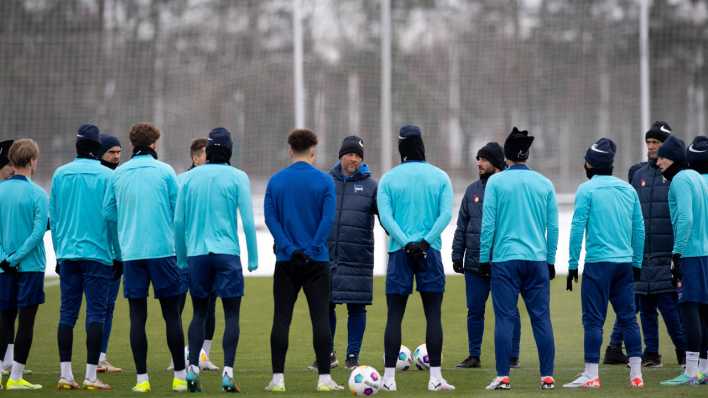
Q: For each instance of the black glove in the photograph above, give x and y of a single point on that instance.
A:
(458, 266)
(485, 269)
(5, 267)
(551, 272)
(424, 245)
(572, 277)
(637, 273)
(57, 268)
(299, 258)
(416, 256)
(676, 269)
(117, 269)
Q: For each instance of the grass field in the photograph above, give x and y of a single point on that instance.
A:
(253, 356)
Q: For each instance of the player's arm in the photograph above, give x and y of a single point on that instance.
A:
(274, 225)
(444, 211)
(180, 239)
(489, 219)
(110, 209)
(463, 217)
(39, 227)
(551, 227)
(581, 214)
(329, 210)
(389, 223)
(637, 232)
(53, 216)
(245, 208)
(684, 214)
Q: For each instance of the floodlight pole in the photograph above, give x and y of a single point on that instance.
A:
(644, 71)
(299, 80)
(386, 85)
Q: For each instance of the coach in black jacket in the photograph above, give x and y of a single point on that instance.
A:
(654, 288)
(465, 255)
(351, 244)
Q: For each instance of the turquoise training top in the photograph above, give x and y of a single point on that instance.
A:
(206, 216)
(415, 203)
(24, 212)
(79, 230)
(608, 212)
(181, 258)
(520, 217)
(142, 199)
(688, 206)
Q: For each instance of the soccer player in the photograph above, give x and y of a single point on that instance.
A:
(300, 206)
(351, 245)
(84, 256)
(206, 227)
(415, 206)
(23, 222)
(608, 212)
(110, 158)
(465, 256)
(688, 204)
(141, 199)
(519, 237)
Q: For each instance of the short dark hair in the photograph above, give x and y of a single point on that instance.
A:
(300, 140)
(144, 134)
(198, 144)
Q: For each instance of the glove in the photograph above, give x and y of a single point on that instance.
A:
(424, 245)
(299, 258)
(458, 266)
(637, 273)
(572, 277)
(57, 268)
(416, 256)
(5, 267)
(676, 269)
(252, 267)
(551, 272)
(485, 269)
(117, 269)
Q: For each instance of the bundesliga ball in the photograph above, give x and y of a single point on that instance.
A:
(364, 381)
(405, 359)
(420, 357)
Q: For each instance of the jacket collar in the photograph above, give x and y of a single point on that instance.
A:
(361, 174)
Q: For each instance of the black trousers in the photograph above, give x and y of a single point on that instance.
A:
(288, 279)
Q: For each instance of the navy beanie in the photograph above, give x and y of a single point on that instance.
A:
(352, 144)
(660, 130)
(220, 137)
(108, 141)
(517, 145)
(410, 143)
(4, 152)
(673, 148)
(698, 151)
(601, 154)
(88, 132)
(493, 153)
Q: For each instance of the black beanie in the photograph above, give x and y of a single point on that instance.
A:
(697, 154)
(352, 144)
(517, 145)
(4, 152)
(673, 148)
(601, 155)
(410, 143)
(108, 141)
(219, 146)
(88, 142)
(660, 130)
(493, 153)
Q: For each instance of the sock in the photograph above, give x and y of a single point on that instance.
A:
(206, 346)
(194, 368)
(592, 370)
(389, 373)
(18, 370)
(102, 357)
(9, 353)
(435, 373)
(91, 372)
(143, 378)
(703, 366)
(66, 372)
(278, 378)
(691, 363)
(181, 374)
(635, 367)
(325, 379)
(228, 371)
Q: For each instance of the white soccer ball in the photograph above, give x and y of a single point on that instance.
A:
(420, 357)
(405, 359)
(364, 381)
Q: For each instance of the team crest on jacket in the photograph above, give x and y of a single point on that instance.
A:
(476, 199)
(643, 183)
(358, 188)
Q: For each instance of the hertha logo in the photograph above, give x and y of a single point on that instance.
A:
(643, 183)
(476, 199)
(358, 188)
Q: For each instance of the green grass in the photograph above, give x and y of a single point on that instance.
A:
(253, 356)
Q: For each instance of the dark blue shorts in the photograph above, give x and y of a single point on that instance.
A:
(694, 280)
(184, 274)
(79, 278)
(218, 274)
(21, 290)
(399, 276)
(163, 273)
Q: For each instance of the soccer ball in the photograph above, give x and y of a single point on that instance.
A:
(420, 357)
(364, 381)
(405, 359)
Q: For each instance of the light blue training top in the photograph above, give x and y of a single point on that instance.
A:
(688, 206)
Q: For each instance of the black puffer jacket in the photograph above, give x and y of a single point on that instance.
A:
(351, 242)
(465, 245)
(653, 192)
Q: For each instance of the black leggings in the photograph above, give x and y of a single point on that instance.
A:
(694, 317)
(288, 279)
(211, 315)
(25, 331)
(198, 328)
(173, 328)
(94, 338)
(432, 303)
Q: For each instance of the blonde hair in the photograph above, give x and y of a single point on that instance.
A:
(22, 152)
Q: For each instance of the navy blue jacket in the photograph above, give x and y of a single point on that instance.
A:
(465, 244)
(351, 241)
(653, 193)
